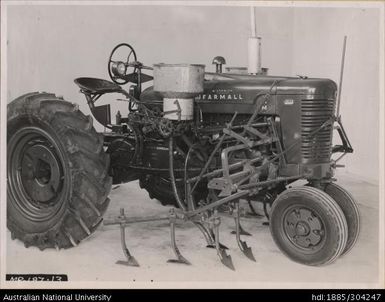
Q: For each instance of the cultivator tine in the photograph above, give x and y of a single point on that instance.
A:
(222, 246)
(210, 237)
(246, 250)
(252, 210)
(242, 231)
(131, 261)
(225, 259)
(212, 246)
(179, 257)
(206, 233)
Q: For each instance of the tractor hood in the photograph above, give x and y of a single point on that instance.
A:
(239, 87)
(249, 86)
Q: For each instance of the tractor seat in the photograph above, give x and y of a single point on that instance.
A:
(97, 86)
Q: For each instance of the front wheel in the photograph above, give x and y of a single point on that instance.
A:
(308, 226)
(57, 172)
(349, 207)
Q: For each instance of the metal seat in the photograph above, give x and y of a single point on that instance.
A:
(97, 86)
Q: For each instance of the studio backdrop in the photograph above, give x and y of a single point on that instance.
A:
(49, 46)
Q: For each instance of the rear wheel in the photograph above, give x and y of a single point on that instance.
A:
(349, 207)
(308, 226)
(57, 172)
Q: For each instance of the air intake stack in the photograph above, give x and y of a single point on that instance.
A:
(254, 47)
(178, 84)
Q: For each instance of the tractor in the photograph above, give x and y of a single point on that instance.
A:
(199, 141)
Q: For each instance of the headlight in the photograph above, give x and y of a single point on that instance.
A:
(119, 69)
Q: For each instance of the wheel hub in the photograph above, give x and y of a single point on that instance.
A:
(303, 228)
(40, 171)
(36, 177)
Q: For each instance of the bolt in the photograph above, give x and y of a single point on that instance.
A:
(317, 232)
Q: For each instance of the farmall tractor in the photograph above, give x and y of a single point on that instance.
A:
(200, 141)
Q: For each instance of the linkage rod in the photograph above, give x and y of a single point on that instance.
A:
(198, 179)
(217, 203)
(128, 220)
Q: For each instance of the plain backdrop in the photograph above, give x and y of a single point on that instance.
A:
(49, 46)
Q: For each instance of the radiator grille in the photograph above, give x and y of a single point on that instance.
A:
(316, 149)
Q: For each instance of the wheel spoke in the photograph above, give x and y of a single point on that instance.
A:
(303, 241)
(292, 219)
(314, 223)
(315, 237)
(129, 55)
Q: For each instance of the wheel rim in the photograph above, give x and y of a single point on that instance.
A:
(36, 177)
(304, 229)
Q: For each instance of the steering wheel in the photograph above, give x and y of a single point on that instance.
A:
(119, 69)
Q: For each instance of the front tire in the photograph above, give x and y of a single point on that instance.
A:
(349, 207)
(57, 172)
(308, 226)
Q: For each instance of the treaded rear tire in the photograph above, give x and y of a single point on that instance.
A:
(81, 199)
(323, 211)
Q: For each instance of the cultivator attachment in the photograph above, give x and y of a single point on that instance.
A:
(236, 179)
(130, 260)
(209, 226)
(179, 257)
(236, 213)
(246, 250)
(223, 256)
(242, 231)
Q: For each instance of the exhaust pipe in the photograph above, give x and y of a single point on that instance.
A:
(254, 47)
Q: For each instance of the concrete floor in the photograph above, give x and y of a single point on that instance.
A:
(94, 259)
